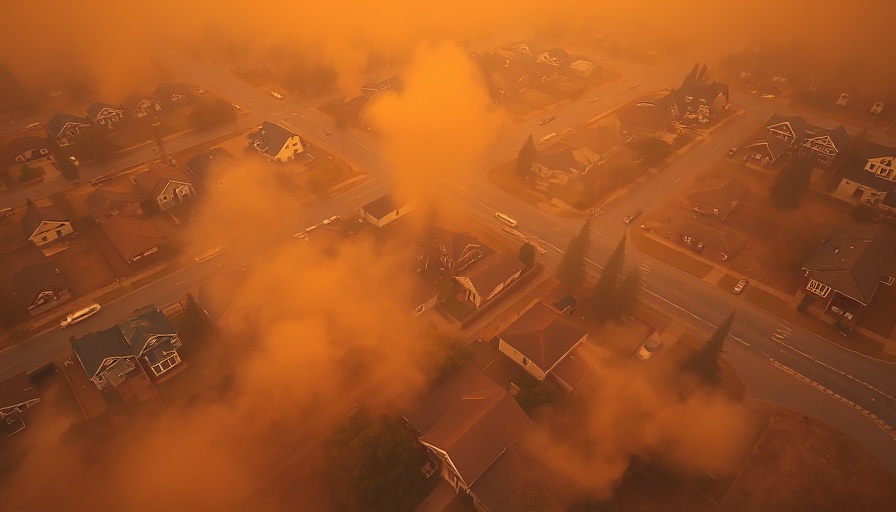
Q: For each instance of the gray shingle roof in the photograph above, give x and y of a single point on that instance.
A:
(271, 137)
(30, 281)
(59, 121)
(34, 215)
(543, 335)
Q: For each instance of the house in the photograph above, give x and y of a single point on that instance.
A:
(275, 143)
(389, 84)
(174, 94)
(146, 339)
(652, 115)
(717, 198)
(139, 107)
(509, 81)
(559, 163)
(699, 98)
(384, 210)
(710, 240)
(420, 294)
(484, 281)
(465, 424)
(455, 250)
(64, 128)
(44, 225)
(210, 166)
(107, 202)
(103, 114)
(599, 142)
(766, 152)
(134, 239)
(222, 299)
(555, 57)
(163, 185)
(41, 287)
(821, 145)
(869, 173)
(540, 338)
(17, 395)
(850, 265)
(28, 149)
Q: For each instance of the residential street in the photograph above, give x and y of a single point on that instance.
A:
(867, 382)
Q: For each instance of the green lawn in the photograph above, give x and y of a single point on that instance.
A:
(669, 255)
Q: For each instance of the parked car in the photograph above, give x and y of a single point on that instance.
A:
(732, 151)
(302, 236)
(649, 348)
(209, 254)
(739, 287)
(79, 315)
(102, 178)
(549, 137)
(277, 95)
(546, 120)
(631, 216)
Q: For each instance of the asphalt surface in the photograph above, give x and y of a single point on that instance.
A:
(768, 354)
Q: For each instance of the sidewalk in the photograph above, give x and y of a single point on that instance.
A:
(810, 322)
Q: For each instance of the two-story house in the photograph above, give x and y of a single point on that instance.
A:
(821, 145)
(41, 287)
(139, 107)
(146, 339)
(103, 114)
(275, 143)
(540, 338)
(64, 128)
(485, 280)
(28, 149)
(869, 174)
(455, 250)
(849, 267)
(165, 186)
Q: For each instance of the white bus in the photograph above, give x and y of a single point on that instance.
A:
(81, 314)
(506, 220)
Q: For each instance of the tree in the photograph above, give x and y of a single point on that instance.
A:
(14, 98)
(209, 114)
(95, 143)
(571, 270)
(527, 255)
(792, 183)
(652, 149)
(704, 363)
(374, 464)
(605, 291)
(627, 294)
(68, 169)
(526, 157)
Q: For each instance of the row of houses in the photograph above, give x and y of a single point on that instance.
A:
(65, 128)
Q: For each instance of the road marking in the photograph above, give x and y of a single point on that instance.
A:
(865, 412)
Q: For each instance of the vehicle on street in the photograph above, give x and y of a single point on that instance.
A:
(277, 95)
(200, 90)
(209, 254)
(79, 315)
(5, 212)
(634, 86)
(649, 348)
(739, 287)
(594, 100)
(74, 160)
(731, 152)
(328, 132)
(767, 96)
(546, 120)
(549, 137)
(235, 106)
(631, 216)
(102, 178)
(302, 236)
(506, 220)
(332, 219)
(310, 228)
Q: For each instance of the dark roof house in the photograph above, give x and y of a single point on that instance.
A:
(134, 238)
(65, 127)
(26, 149)
(41, 287)
(107, 202)
(276, 143)
(540, 338)
(717, 198)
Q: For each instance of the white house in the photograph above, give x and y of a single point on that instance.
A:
(275, 143)
(167, 191)
(540, 339)
(385, 210)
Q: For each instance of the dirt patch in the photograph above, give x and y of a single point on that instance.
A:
(621, 339)
(801, 464)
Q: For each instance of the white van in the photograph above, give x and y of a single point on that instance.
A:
(506, 220)
(81, 314)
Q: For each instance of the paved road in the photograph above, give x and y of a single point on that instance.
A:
(759, 336)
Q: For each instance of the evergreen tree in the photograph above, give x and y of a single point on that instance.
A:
(526, 157)
(792, 183)
(527, 255)
(704, 363)
(626, 295)
(604, 294)
(571, 270)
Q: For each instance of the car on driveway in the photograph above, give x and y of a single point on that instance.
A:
(631, 216)
(546, 120)
(739, 287)
(649, 348)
